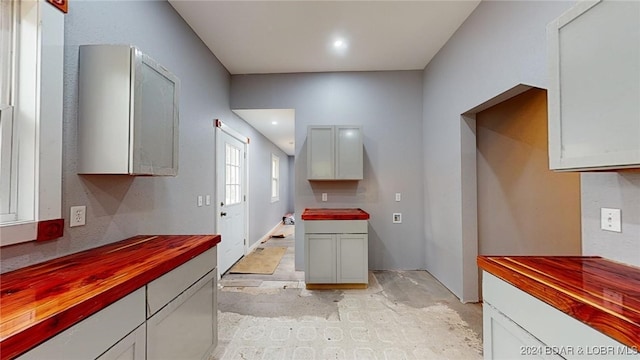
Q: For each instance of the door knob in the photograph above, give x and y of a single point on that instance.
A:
(223, 214)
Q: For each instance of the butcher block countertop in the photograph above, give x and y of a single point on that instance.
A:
(334, 214)
(601, 293)
(41, 300)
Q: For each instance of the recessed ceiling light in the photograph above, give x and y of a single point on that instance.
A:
(274, 123)
(339, 43)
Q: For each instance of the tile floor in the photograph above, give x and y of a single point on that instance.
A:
(402, 315)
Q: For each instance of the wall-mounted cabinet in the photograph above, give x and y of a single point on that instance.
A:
(334, 152)
(127, 113)
(594, 87)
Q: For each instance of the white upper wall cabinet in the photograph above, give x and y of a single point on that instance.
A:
(594, 88)
(334, 152)
(127, 113)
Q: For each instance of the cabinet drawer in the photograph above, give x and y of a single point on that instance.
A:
(336, 226)
(168, 286)
(95, 334)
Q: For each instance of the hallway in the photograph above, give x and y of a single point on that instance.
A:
(402, 315)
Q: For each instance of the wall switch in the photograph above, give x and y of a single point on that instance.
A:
(78, 215)
(610, 220)
(324, 196)
(207, 200)
(199, 200)
(398, 196)
(397, 218)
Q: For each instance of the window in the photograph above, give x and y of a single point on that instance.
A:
(275, 178)
(31, 82)
(233, 178)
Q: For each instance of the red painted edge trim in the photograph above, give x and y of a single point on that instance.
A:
(50, 229)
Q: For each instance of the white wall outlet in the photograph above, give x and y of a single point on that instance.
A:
(207, 200)
(199, 200)
(398, 196)
(324, 196)
(77, 216)
(610, 220)
(397, 218)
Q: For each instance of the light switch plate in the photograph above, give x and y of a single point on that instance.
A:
(324, 196)
(398, 196)
(610, 220)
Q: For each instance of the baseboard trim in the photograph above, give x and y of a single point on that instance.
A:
(264, 239)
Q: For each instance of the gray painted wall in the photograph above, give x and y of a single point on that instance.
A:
(502, 44)
(611, 190)
(389, 107)
(121, 206)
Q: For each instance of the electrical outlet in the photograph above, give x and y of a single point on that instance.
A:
(207, 200)
(199, 200)
(397, 218)
(398, 196)
(324, 196)
(77, 216)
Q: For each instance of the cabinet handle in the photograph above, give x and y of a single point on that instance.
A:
(223, 214)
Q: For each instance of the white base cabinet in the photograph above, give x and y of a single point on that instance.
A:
(186, 327)
(172, 317)
(132, 347)
(517, 325)
(100, 332)
(336, 252)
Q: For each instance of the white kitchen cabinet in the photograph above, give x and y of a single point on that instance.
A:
(518, 325)
(98, 333)
(182, 311)
(594, 86)
(132, 347)
(336, 252)
(127, 113)
(334, 152)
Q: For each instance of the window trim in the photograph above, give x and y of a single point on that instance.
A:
(275, 177)
(38, 121)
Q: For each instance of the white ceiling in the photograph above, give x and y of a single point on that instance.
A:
(277, 125)
(251, 37)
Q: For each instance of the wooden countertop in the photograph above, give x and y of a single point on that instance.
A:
(41, 300)
(334, 214)
(601, 293)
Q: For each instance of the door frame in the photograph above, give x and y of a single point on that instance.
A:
(220, 127)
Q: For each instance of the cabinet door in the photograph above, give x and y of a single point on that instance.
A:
(348, 152)
(594, 87)
(504, 339)
(320, 259)
(186, 328)
(155, 118)
(132, 347)
(320, 153)
(353, 259)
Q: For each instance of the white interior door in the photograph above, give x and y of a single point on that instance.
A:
(231, 199)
